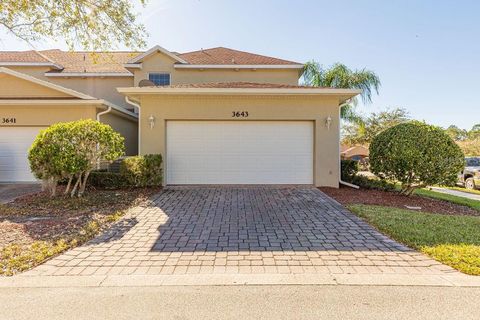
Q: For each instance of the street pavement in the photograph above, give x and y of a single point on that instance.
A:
(241, 302)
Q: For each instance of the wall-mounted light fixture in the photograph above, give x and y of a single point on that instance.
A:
(328, 122)
(151, 119)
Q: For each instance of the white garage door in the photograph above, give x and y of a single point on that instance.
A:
(239, 152)
(14, 145)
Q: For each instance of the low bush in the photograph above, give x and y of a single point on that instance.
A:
(349, 168)
(107, 180)
(142, 171)
(373, 184)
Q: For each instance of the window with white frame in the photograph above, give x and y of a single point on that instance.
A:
(160, 79)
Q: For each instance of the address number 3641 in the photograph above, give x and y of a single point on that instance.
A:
(8, 120)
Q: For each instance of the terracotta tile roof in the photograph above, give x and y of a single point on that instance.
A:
(228, 56)
(23, 56)
(113, 62)
(237, 85)
(355, 151)
(90, 62)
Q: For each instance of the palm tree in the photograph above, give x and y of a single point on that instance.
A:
(340, 76)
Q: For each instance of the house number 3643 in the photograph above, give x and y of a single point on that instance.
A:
(239, 114)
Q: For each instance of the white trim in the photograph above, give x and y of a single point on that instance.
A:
(238, 66)
(120, 109)
(240, 91)
(133, 65)
(88, 74)
(153, 50)
(8, 102)
(46, 84)
(103, 112)
(161, 72)
(29, 64)
(137, 105)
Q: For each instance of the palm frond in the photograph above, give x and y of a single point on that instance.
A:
(340, 76)
(349, 114)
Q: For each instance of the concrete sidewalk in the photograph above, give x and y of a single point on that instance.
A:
(457, 193)
(448, 280)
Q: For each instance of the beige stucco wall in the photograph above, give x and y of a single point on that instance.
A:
(160, 63)
(312, 108)
(37, 72)
(13, 87)
(126, 126)
(97, 87)
(46, 115)
(100, 88)
(41, 115)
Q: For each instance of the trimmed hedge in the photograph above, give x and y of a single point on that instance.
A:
(142, 171)
(373, 184)
(137, 171)
(107, 180)
(348, 169)
(416, 155)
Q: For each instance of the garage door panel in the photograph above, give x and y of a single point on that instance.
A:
(243, 152)
(14, 145)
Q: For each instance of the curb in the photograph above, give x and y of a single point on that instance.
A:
(240, 279)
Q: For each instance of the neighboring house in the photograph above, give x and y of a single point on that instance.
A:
(356, 153)
(218, 116)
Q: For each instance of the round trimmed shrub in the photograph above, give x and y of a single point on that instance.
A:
(416, 155)
(71, 150)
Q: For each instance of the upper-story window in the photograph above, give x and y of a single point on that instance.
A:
(160, 79)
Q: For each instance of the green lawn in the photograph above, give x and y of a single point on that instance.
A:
(452, 240)
(454, 199)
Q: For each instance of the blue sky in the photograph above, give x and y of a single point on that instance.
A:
(427, 53)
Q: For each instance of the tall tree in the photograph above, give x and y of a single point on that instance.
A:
(456, 133)
(475, 132)
(340, 76)
(363, 133)
(90, 24)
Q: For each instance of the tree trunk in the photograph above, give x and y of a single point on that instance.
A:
(68, 185)
(53, 187)
(75, 186)
(83, 184)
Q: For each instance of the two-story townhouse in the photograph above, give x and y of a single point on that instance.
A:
(218, 116)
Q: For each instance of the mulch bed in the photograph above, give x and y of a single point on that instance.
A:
(40, 217)
(347, 196)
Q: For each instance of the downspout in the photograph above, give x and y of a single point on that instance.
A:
(340, 181)
(103, 112)
(98, 119)
(136, 105)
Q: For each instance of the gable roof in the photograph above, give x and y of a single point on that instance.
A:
(70, 92)
(87, 63)
(226, 56)
(154, 50)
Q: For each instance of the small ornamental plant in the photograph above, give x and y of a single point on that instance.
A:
(70, 151)
(416, 155)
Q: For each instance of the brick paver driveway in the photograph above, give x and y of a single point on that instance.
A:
(241, 230)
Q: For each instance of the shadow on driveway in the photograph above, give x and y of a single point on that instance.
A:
(11, 191)
(261, 219)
